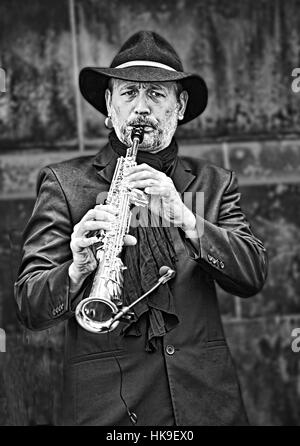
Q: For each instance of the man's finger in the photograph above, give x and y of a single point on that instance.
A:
(106, 208)
(160, 190)
(141, 184)
(93, 225)
(139, 168)
(83, 242)
(143, 175)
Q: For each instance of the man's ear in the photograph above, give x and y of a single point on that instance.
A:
(183, 99)
(108, 101)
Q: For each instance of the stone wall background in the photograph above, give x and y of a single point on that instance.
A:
(246, 51)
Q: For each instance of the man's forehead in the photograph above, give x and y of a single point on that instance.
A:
(121, 83)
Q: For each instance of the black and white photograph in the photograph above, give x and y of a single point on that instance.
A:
(150, 215)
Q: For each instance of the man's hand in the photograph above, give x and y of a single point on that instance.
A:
(84, 261)
(164, 197)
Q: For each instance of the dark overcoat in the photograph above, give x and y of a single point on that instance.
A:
(191, 378)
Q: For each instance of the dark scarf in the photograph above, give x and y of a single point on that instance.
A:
(154, 249)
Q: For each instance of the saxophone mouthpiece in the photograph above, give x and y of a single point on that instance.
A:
(137, 132)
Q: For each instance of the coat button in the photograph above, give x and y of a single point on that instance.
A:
(170, 349)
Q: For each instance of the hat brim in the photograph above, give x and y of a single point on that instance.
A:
(93, 83)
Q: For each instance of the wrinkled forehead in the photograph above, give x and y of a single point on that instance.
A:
(120, 84)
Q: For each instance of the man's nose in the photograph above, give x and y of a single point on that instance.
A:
(142, 105)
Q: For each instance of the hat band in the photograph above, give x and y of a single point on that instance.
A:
(147, 63)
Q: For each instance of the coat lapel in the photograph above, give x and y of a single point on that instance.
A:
(182, 176)
(105, 163)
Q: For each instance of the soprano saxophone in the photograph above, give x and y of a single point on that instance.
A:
(96, 312)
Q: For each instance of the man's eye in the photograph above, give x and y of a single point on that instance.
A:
(156, 94)
(129, 93)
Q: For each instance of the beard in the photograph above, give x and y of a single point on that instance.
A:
(157, 136)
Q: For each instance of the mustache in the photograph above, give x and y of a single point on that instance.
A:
(143, 122)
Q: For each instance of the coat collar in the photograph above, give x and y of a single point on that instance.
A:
(105, 163)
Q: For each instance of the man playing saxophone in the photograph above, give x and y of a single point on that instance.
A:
(176, 367)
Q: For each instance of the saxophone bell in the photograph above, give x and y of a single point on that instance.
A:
(96, 314)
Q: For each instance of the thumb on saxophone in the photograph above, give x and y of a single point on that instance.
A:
(129, 240)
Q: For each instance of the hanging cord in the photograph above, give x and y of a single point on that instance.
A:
(132, 415)
(166, 274)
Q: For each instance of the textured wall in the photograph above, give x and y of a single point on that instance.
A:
(245, 50)
(35, 51)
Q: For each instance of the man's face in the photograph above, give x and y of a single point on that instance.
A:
(155, 106)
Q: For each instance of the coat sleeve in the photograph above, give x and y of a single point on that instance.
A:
(228, 250)
(42, 287)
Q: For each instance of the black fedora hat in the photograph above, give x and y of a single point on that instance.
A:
(144, 57)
